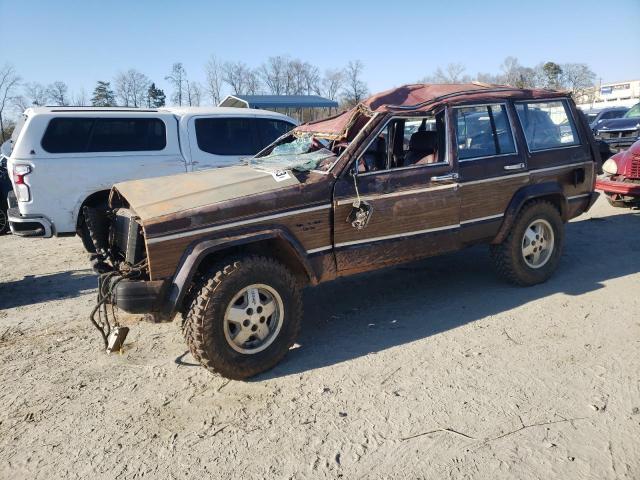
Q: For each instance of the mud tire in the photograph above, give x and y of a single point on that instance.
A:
(204, 317)
(507, 256)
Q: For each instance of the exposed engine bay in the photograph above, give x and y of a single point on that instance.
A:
(119, 255)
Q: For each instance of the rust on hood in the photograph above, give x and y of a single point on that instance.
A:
(155, 197)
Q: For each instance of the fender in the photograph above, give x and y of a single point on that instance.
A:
(530, 192)
(194, 256)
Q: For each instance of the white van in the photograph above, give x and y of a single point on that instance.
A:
(63, 158)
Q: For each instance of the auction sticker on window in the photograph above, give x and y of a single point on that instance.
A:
(281, 175)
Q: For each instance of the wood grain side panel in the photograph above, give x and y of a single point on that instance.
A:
(311, 229)
(566, 178)
(397, 215)
(488, 198)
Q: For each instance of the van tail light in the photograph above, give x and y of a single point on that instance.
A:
(20, 186)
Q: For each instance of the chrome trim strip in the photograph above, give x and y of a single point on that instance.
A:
(481, 219)
(582, 195)
(236, 224)
(401, 193)
(405, 234)
(495, 179)
(569, 165)
(320, 249)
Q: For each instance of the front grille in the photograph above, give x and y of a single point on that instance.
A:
(634, 172)
(611, 135)
(127, 242)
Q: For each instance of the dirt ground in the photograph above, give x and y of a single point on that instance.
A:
(432, 370)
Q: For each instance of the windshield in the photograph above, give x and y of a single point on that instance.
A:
(303, 153)
(634, 112)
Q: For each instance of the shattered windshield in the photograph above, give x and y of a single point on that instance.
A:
(302, 153)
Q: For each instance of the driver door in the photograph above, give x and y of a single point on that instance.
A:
(409, 190)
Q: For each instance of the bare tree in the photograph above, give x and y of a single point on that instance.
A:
(213, 71)
(57, 92)
(9, 81)
(36, 94)
(332, 83)
(578, 78)
(274, 74)
(452, 73)
(194, 94)
(178, 79)
(20, 103)
(355, 88)
(240, 78)
(131, 88)
(80, 99)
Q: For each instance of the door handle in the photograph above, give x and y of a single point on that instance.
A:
(444, 178)
(515, 166)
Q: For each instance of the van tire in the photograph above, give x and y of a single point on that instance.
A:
(206, 328)
(509, 258)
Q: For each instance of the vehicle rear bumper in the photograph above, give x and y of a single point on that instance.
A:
(139, 296)
(621, 188)
(29, 225)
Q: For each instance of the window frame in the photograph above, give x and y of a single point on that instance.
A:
(511, 126)
(94, 120)
(571, 117)
(377, 131)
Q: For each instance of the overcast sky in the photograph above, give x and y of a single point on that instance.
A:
(80, 42)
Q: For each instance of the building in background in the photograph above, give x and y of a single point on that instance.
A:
(618, 94)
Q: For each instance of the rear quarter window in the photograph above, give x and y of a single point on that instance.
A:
(74, 135)
(547, 125)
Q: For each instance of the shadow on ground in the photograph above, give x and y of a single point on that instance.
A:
(355, 316)
(34, 289)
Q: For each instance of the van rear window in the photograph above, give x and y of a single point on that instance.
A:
(74, 135)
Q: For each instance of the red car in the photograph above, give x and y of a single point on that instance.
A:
(621, 179)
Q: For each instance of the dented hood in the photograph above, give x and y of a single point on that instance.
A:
(155, 197)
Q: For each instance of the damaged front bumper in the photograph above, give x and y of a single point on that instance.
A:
(138, 296)
(609, 186)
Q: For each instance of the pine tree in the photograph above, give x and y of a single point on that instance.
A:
(103, 96)
(155, 97)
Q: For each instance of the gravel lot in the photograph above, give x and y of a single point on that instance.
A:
(432, 370)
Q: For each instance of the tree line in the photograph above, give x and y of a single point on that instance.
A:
(278, 75)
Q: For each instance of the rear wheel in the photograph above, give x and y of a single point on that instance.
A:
(243, 317)
(531, 252)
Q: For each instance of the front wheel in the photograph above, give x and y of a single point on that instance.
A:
(531, 252)
(244, 316)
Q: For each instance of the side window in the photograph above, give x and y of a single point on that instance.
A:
(269, 130)
(406, 142)
(75, 135)
(483, 131)
(128, 135)
(547, 125)
(225, 136)
(67, 135)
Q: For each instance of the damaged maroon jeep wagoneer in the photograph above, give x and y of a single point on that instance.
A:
(409, 173)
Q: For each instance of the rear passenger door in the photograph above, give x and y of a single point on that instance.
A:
(217, 141)
(556, 146)
(490, 164)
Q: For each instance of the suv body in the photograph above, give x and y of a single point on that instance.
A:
(596, 117)
(620, 180)
(618, 134)
(230, 248)
(63, 158)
